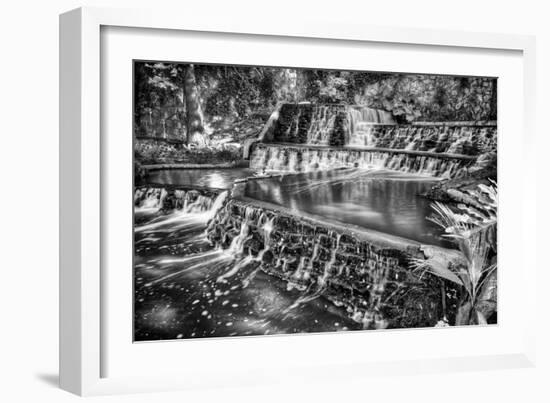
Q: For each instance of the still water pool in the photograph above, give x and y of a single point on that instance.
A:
(211, 178)
(384, 201)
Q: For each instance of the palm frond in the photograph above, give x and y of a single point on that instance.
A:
(472, 226)
(436, 267)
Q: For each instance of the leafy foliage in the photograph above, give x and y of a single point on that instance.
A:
(158, 153)
(233, 93)
(473, 228)
(434, 98)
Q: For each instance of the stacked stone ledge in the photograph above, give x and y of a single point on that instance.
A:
(372, 280)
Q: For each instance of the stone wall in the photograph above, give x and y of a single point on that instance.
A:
(366, 273)
(333, 125)
(306, 123)
(452, 137)
(295, 122)
(283, 157)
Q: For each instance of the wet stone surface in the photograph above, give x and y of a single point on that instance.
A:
(185, 287)
(373, 284)
(208, 265)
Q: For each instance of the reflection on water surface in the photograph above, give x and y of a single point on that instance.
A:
(385, 201)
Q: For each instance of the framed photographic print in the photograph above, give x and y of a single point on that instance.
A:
(309, 200)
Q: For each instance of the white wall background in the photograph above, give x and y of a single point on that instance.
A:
(29, 196)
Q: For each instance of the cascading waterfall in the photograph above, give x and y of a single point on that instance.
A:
(361, 126)
(201, 250)
(459, 143)
(301, 159)
(302, 275)
(266, 227)
(236, 249)
(191, 214)
(152, 200)
(293, 164)
(200, 204)
(433, 138)
(322, 124)
(361, 135)
(225, 290)
(322, 281)
(237, 245)
(317, 273)
(227, 283)
(371, 115)
(149, 199)
(361, 120)
(339, 136)
(192, 217)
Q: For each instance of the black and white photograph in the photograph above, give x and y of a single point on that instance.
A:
(243, 202)
(280, 200)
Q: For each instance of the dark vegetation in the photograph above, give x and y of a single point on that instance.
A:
(203, 114)
(217, 107)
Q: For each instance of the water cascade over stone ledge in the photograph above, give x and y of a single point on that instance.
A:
(159, 199)
(365, 272)
(355, 125)
(285, 157)
(307, 137)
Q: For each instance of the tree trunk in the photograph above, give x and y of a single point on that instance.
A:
(195, 127)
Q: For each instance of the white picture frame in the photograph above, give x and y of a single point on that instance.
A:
(82, 169)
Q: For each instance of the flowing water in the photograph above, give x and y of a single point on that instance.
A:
(185, 288)
(361, 125)
(322, 123)
(365, 127)
(360, 118)
(313, 159)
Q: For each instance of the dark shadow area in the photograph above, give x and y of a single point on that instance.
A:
(273, 200)
(49, 379)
